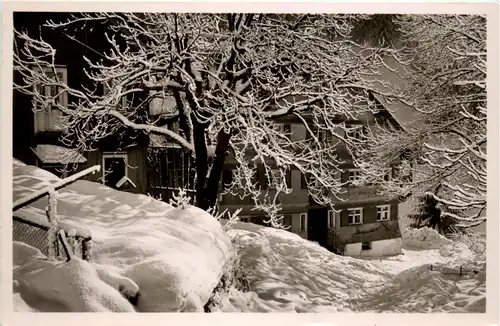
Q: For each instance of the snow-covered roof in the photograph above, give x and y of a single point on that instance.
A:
(394, 111)
(53, 154)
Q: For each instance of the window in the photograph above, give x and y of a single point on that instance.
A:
(331, 219)
(50, 117)
(170, 168)
(324, 136)
(284, 128)
(366, 246)
(275, 177)
(383, 213)
(227, 178)
(114, 168)
(354, 175)
(355, 216)
(303, 221)
(356, 133)
(387, 176)
(321, 135)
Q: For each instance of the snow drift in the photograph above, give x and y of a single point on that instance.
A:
(423, 238)
(75, 286)
(288, 273)
(175, 256)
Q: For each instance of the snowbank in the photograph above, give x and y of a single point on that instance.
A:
(421, 290)
(175, 256)
(288, 273)
(423, 238)
(429, 239)
(75, 286)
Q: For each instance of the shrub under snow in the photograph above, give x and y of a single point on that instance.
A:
(423, 238)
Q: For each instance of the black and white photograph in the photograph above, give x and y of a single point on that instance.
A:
(249, 162)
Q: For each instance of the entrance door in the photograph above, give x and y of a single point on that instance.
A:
(318, 225)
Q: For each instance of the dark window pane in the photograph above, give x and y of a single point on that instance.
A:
(114, 170)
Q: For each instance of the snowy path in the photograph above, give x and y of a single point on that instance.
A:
(287, 273)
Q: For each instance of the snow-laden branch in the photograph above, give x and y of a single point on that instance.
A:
(446, 142)
(232, 77)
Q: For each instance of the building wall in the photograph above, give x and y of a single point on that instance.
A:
(370, 228)
(387, 247)
(298, 201)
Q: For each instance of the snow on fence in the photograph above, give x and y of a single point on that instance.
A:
(52, 238)
(36, 234)
(461, 270)
(55, 186)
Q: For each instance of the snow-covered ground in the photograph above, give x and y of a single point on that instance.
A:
(175, 257)
(288, 273)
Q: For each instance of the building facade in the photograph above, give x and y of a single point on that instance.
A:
(363, 223)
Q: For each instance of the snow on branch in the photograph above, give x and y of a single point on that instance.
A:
(231, 74)
(445, 144)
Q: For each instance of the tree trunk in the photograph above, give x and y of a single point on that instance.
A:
(201, 162)
(208, 190)
(212, 188)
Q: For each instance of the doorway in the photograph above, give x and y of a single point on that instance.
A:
(318, 226)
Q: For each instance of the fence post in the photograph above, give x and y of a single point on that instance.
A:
(51, 212)
(71, 238)
(64, 242)
(87, 249)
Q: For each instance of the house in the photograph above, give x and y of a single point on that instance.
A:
(130, 161)
(365, 223)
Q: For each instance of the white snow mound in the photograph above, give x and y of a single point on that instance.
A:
(75, 286)
(423, 238)
(175, 256)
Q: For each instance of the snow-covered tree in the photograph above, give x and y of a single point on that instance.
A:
(231, 76)
(444, 147)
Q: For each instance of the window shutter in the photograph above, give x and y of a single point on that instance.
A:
(344, 218)
(370, 215)
(262, 177)
(344, 176)
(337, 219)
(394, 212)
(289, 178)
(255, 177)
(303, 184)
